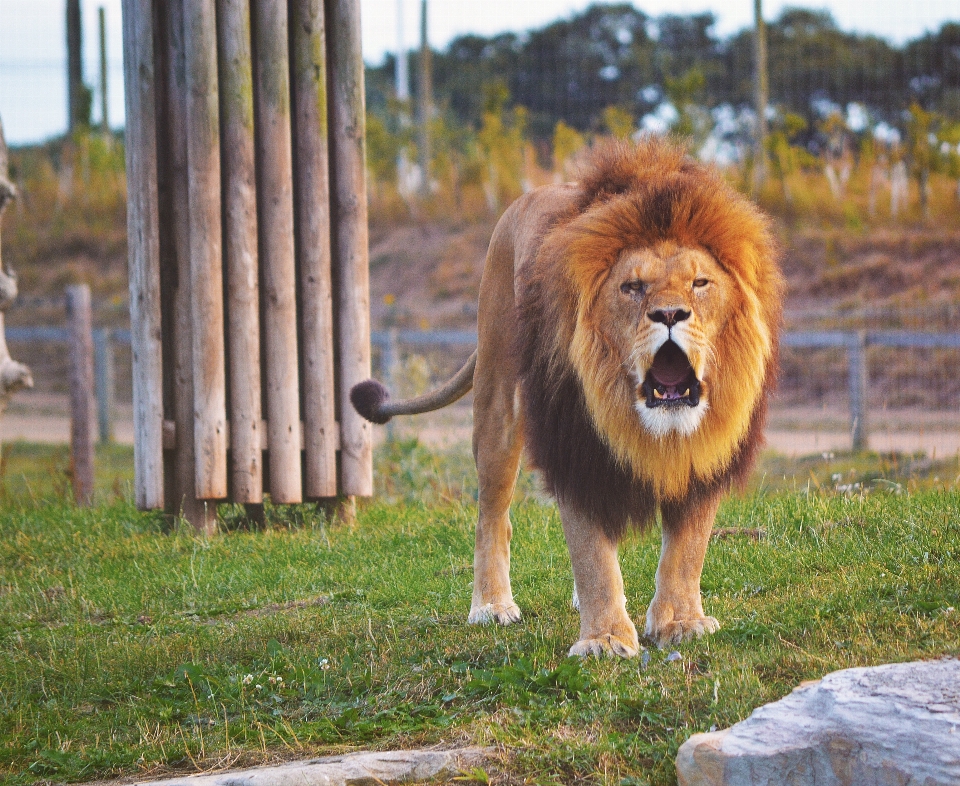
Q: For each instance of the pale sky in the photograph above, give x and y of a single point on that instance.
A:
(32, 35)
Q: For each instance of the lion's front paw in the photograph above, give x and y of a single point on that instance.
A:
(607, 644)
(675, 631)
(501, 613)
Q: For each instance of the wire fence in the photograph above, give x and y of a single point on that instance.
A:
(889, 389)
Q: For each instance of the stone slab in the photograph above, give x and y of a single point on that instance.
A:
(354, 769)
(891, 725)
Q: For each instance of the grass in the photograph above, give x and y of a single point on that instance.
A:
(128, 646)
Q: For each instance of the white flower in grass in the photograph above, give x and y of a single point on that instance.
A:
(248, 679)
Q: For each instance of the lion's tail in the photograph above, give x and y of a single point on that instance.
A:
(372, 400)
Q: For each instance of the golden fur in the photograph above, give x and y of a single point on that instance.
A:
(704, 213)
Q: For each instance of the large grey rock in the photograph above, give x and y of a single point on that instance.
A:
(893, 725)
(354, 769)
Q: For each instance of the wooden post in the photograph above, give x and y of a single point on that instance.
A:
(424, 139)
(104, 383)
(203, 155)
(82, 403)
(144, 251)
(104, 111)
(78, 110)
(312, 189)
(277, 253)
(240, 239)
(391, 360)
(181, 497)
(350, 239)
(858, 376)
(761, 93)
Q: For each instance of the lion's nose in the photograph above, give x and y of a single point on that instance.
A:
(669, 316)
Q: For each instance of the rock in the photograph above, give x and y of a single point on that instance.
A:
(354, 769)
(892, 725)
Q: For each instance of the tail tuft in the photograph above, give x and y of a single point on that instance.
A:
(368, 398)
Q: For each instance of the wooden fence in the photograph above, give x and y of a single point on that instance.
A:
(247, 232)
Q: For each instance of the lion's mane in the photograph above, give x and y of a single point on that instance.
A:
(580, 424)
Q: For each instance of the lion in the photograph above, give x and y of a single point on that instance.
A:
(628, 331)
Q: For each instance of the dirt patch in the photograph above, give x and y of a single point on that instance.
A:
(895, 268)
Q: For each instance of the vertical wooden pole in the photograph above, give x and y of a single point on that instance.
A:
(104, 383)
(206, 279)
(391, 359)
(277, 255)
(858, 376)
(77, 110)
(312, 189)
(82, 400)
(240, 240)
(104, 111)
(761, 93)
(425, 101)
(350, 239)
(144, 251)
(175, 279)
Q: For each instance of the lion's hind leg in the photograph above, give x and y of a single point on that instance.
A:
(676, 611)
(605, 626)
(497, 444)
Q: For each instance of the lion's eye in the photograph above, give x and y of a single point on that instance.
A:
(633, 287)
(699, 283)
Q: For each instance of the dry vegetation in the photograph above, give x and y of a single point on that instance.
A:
(426, 257)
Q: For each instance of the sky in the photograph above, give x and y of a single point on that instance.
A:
(32, 34)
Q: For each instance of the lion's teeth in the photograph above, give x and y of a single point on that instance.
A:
(657, 393)
(686, 393)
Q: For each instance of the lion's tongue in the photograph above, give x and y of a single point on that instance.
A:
(670, 366)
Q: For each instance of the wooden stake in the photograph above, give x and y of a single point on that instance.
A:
(312, 188)
(83, 416)
(203, 154)
(275, 200)
(350, 238)
(175, 282)
(761, 92)
(77, 109)
(104, 111)
(240, 239)
(144, 251)
(425, 102)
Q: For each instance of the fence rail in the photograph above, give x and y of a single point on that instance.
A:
(390, 342)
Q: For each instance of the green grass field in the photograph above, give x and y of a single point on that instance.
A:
(128, 646)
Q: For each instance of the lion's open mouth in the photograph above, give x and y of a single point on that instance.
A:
(671, 380)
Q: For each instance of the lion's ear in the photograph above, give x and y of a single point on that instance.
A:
(368, 399)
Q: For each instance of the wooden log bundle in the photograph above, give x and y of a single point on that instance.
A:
(248, 251)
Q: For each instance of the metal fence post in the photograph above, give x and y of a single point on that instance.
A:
(104, 381)
(857, 359)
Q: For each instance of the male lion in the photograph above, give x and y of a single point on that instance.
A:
(628, 332)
